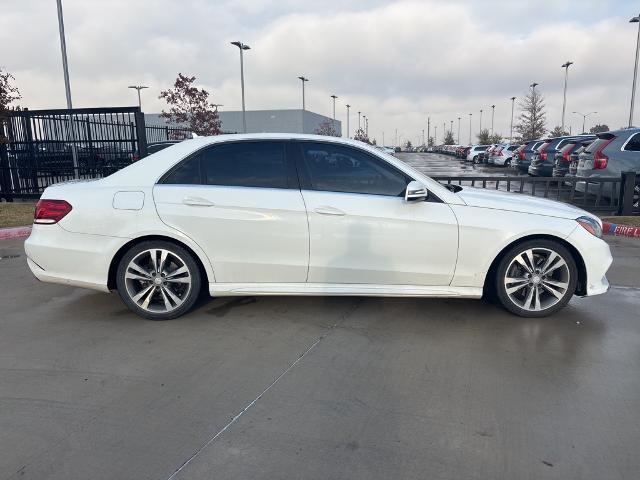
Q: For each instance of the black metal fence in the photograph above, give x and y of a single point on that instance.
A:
(43, 147)
(616, 195)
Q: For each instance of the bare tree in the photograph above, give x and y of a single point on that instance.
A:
(532, 121)
(599, 128)
(190, 105)
(558, 132)
(449, 138)
(327, 129)
(361, 136)
(9, 93)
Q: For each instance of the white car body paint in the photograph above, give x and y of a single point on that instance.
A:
(301, 242)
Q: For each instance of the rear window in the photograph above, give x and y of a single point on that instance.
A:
(596, 143)
(541, 146)
(481, 148)
(512, 148)
(568, 147)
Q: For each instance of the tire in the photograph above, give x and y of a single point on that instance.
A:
(475, 159)
(508, 163)
(158, 297)
(535, 293)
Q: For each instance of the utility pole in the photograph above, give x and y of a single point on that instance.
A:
(493, 110)
(459, 118)
(566, 66)
(242, 47)
(533, 113)
(513, 101)
(334, 112)
(480, 120)
(303, 79)
(348, 107)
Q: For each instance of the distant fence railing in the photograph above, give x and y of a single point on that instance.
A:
(615, 195)
(161, 133)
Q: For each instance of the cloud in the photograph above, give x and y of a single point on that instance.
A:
(398, 62)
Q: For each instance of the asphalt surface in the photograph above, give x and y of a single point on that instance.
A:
(437, 164)
(317, 388)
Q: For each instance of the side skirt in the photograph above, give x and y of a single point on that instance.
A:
(330, 289)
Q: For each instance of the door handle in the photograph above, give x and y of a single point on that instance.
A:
(329, 211)
(197, 202)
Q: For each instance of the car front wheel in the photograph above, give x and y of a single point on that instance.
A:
(158, 280)
(536, 278)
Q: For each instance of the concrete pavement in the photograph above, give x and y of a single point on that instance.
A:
(317, 388)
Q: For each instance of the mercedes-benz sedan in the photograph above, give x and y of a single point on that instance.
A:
(279, 214)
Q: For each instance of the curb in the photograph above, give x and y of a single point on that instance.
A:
(620, 230)
(16, 232)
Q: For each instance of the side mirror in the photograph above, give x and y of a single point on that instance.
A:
(415, 192)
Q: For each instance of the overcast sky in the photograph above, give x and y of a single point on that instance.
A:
(397, 62)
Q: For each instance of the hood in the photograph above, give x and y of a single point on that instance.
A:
(518, 202)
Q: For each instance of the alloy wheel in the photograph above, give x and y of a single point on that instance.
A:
(158, 280)
(537, 279)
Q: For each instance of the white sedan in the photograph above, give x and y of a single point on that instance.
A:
(280, 214)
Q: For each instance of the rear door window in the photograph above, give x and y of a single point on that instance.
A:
(594, 146)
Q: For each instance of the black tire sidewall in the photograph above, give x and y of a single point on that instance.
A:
(194, 271)
(500, 290)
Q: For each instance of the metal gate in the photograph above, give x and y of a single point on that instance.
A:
(43, 147)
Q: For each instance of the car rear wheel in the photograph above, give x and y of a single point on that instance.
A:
(536, 278)
(158, 280)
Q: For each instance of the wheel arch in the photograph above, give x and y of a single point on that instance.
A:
(113, 266)
(581, 286)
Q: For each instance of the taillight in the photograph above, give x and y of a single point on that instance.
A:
(565, 155)
(600, 160)
(521, 154)
(51, 211)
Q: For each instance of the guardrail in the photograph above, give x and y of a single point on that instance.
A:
(615, 195)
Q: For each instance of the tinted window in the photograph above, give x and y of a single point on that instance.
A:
(594, 146)
(634, 143)
(187, 173)
(481, 148)
(245, 164)
(153, 148)
(336, 168)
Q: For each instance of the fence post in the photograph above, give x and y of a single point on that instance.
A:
(627, 185)
(141, 134)
(5, 183)
(166, 130)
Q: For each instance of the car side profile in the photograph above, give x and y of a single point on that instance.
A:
(267, 214)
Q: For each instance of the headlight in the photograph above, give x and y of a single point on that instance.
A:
(591, 225)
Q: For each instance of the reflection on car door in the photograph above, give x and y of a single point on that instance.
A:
(361, 229)
(241, 203)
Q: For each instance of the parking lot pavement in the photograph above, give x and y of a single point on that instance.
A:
(325, 387)
(437, 164)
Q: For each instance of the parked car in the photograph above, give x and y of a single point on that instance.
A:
(544, 156)
(503, 155)
(525, 154)
(265, 214)
(475, 151)
(483, 157)
(568, 154)
(610, 154)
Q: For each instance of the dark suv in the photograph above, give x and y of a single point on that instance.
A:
(544, 157)
(523, 158)
(567, 154)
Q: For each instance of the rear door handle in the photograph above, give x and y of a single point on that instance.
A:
(329, 211)
(197, 202)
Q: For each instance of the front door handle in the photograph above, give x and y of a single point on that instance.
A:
(197, 202)
(329, 211)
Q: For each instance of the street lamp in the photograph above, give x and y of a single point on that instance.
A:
(359, 120)
(480, 120)
(242, 47)
(435, 134)
(533, 113)
(138, 88)
(635, 70)
(470, 115)
(428, 129)
(493, 110)
(566, 66)
(348, 107)
(513, 101)
(584, 117)
(334, 112)
(303, 80)
(366, 127)
(459, 129)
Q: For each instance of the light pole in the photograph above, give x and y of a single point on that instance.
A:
(584, 118)
(513, 101)
(435, 134)
(366, 126)
(635, 70)
(444, 131)
(428, 129)
(459, 129)
(470, 116)
(533, 112)
(348, 107)
(566, 66)
(364, 121)
(359, 120)
(303, 79)
(334, 112)
(67, 85)
(138, 88)
(451, 128)
(423, 136)
(480, 120)
(242, 47)
(493, 110)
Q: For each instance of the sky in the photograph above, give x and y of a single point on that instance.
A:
(397, 62)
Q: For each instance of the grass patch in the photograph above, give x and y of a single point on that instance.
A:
(632, 221)
(16, 214)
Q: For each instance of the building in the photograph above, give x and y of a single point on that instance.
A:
(265, 121)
